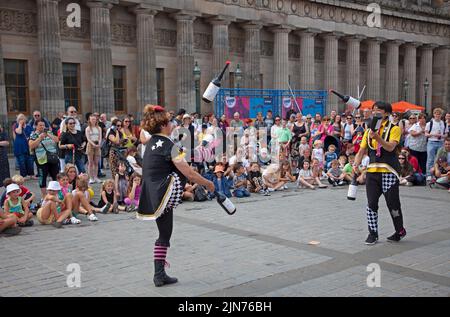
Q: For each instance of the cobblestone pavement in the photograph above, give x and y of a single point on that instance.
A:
(262, 250)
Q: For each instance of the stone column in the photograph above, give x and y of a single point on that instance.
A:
(3, 100)
(441, 75)
(51, 84)
(281, 57)
(220, 47)
(146, 56)
(102, 70)
(392, 80)
(307, 69)
(252, 55)
(409, 71)
(352, 65)
(426, 72)
(185, 62)
(373, 68)
(331, 68)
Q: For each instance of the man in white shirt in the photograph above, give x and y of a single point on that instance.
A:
(71, 113)
(435, 132)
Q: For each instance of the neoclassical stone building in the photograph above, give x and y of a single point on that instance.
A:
(128, 53)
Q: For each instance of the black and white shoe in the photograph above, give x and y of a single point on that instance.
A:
(371, 239)
(396, 237)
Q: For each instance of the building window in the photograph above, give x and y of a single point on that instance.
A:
(160, 86)
(71, 77)
(119, 88)
(16, 79)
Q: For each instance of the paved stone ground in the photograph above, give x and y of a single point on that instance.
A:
(262, 250)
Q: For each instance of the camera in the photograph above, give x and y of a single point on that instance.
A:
(96, 142)
(46, 130)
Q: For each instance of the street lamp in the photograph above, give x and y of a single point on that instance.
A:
(426, 85)
(197, 75)
(238, 75)
(405, 88)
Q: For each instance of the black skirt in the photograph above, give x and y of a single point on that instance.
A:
(159, 196)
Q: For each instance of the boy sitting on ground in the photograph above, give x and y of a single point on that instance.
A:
(335, 174)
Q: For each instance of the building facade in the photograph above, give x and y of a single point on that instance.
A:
(124, 54)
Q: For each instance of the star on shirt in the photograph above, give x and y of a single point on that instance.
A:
(159, 143)
(153, 147)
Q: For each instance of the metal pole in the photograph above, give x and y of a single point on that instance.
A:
(197, 96)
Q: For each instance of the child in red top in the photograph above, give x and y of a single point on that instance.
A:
(24, 191)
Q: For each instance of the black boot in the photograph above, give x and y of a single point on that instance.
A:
(161, 278)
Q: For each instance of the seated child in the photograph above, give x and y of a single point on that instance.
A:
(25, 193)
(221, 182)
(348, 169)
(305, 177)
(188, 193)
(80, 204)
(63, 180)
(6, 182)
(131, 158)
(8, 224)
(240, 181)
(330, 156)
(108, 196)
(271, 177)
(134, 191)
(317, 172)
(255, 181)
(317, 152)
(335, 174)
(15, 205)
(55, 211)
(121, 185)
(303, 146)
(286, 174)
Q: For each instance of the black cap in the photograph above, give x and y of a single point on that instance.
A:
(386, 106)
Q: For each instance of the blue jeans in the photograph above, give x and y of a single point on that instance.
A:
(419, 179)
(78, 162)
(26, 164)
(432, 148)
(239, 193)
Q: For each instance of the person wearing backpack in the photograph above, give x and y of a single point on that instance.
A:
(434, 131)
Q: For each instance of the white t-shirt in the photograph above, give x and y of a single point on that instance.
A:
(417, 143)
(305, 173)
(148, 136)
(438, 127)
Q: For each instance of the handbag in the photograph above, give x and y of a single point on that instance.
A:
(52, 158)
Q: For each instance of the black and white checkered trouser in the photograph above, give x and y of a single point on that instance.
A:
(165, 221)
(177, 192)
(388, 185)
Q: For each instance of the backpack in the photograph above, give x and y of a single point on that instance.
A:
(106, 146)
(200, 193)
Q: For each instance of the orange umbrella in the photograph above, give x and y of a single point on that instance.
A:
(367, 104)
(404, 106)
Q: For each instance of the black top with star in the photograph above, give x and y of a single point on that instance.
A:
(158, 158)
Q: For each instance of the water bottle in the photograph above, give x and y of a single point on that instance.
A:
(353, 188)
(225, 203)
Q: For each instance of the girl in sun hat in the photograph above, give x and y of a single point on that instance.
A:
(15, 205)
